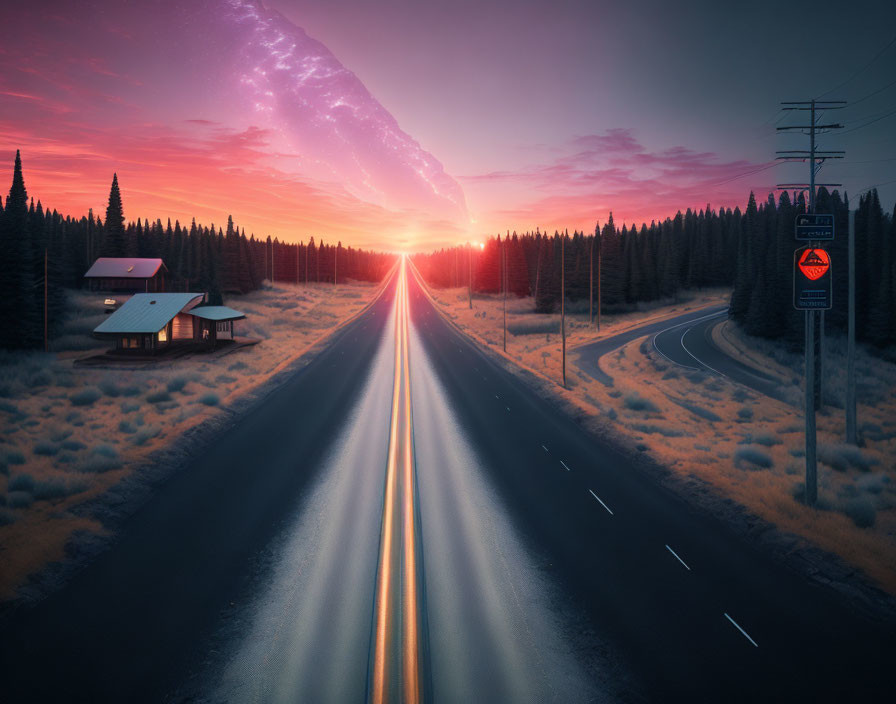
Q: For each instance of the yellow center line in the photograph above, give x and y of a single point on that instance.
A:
(399, 483)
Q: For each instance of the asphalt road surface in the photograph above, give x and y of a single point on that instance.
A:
(403, 520)
(685, 341)
(589, 355)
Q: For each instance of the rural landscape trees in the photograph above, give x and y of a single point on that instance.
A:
(199, 258)
(750, 250)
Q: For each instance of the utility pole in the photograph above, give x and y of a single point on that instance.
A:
(599, 247)
(851, 337)
(591, 283)
(504, 286)
(272, 262)
(470, 279)
(46, 313)
(306, 264)
(297, 265)
(335, 257)
(563, 303)
(816, 159)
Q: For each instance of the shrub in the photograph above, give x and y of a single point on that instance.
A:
(46, 448)
(129, 407)
(60, 435)
(764, 439)
(658, 429)
(85, 397)
(22, 482)
(103, 459)
(745, 413)
(158, 397)
(73, 445)
(860, 510)
(145, 434)
(209, 399)
(224, 379)
(752, 457)
(841, 457)
(19, 499)
(533, 327)
(237, 366)
(56, 489)
(110, 388)
(14, 457)
(125, 427)
(41, 377)
(130, 391)
(635, 402)
(177, 383)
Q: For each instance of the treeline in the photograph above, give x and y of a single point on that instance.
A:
(692, 250)
(763, 284)
(198, 258)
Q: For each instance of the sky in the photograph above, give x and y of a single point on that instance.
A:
(411, 125)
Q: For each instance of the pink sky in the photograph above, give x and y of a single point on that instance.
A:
(415, 137)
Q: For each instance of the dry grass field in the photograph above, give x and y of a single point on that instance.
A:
(70, 433)
(714, 433)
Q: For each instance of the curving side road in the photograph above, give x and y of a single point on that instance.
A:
(686, 341)
(589, 355)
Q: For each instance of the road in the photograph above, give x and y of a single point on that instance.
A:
(685, 341)
(404, 520)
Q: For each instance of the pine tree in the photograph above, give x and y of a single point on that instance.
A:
(115, 244)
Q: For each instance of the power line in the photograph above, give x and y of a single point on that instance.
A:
(872, 94)
(749, 173)
(861, 70)
(884, 183)
(877, 119)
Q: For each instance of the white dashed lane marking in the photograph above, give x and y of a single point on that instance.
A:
(601, 502)
(745, 634)
(678, 558)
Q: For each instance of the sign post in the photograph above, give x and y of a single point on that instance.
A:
(811, 292)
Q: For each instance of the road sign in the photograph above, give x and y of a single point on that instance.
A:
(812, 279)
(814, 226)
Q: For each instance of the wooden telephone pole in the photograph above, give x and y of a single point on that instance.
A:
(504, 286)
(814, 361)
(563, 303)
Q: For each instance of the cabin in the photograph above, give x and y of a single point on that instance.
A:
(152, 322)
(216, 322)
(127, 274)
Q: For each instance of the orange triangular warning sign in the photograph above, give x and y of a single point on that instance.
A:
(814, 263)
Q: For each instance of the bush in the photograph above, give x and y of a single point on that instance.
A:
(745, 413)
(658, 429)
(534, 327)
(146, 434)
(21, 482)
(635, 402)
(125, 427)
(73, 445)
(129, 407)
(46, 448)
(841, 457)
(237, 366)
(14, 457)
(753, 457)
(19, 499)
(159, 397)
(861, 511)
(110, 388)
(85, 397)
(103, 459)
(764, 439)
(209, 399)
(56, 489)
(177, 383)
